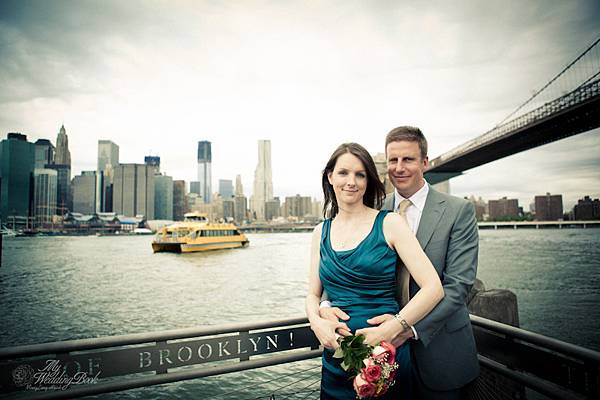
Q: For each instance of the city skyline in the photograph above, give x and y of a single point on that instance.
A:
(305, 77)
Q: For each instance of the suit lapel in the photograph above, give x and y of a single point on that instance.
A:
(432, 213)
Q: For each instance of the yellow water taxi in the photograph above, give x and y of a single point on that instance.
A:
(195, 233)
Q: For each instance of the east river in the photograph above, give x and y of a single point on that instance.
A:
(60, 288)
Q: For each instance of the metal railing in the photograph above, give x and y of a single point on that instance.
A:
(551, 367)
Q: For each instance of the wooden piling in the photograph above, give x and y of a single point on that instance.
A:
(499, 305)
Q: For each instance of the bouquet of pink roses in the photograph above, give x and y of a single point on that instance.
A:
(372, 367)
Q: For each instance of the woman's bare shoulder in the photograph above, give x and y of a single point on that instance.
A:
(318, 229)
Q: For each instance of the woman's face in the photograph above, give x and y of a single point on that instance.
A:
(349, 179)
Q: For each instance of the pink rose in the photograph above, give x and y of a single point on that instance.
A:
(372, 373)
(385, 351)
(363, 388)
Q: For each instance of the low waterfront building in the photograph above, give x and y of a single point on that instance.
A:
(548, 207)
(105, 222)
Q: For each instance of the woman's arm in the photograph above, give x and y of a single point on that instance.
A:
(400, 237)
(404, 241)
(324, 329)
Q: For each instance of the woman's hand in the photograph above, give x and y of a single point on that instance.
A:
(325, 329)
(387, 330)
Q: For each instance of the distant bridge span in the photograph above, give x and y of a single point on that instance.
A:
(573, 113)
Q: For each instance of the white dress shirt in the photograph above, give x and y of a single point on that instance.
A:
(415, 209)
(413, 216)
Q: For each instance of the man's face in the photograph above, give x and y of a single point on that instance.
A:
(406, 166)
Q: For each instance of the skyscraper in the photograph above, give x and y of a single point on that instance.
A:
(84, 192)
(163, 197)
(195, 187)
(134, 190)
(108, 160)
(179, 200)
(263, 181)
(239, 189)
(17, 160)
(154, 162)
(63, 156)
(62, 165)
(44, 153)
(225, 188)
(44, 198)
(204, 170)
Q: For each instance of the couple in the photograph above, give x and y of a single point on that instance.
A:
(385, 283)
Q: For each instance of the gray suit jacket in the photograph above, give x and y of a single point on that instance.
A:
(445, 355)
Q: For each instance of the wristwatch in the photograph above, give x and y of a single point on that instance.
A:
(403, 322)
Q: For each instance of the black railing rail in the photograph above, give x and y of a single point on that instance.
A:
(158, 356)
(557, 369)
(551, 367)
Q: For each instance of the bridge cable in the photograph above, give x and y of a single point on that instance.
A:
(549, 83)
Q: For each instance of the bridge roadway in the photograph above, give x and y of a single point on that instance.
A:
(573, 113)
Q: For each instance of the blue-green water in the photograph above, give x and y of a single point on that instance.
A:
(59, 288)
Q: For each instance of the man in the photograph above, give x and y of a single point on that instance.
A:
(443, 349)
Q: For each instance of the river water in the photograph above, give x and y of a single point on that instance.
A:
(60, 288)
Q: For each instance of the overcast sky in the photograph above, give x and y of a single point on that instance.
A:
(156, 77)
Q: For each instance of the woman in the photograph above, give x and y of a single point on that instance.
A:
(353, 258)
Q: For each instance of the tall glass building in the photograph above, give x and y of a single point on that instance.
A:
(204, 170)
(108, 160)
(17, 160)
(163, 197)
(44, 198)
(44, 153)
(225, 188)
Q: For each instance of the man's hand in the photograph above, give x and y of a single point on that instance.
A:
(399, 339)
(335, 314)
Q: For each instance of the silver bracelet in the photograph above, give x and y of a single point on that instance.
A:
(402, 321)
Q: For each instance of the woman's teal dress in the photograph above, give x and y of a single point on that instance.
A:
(361, 282)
